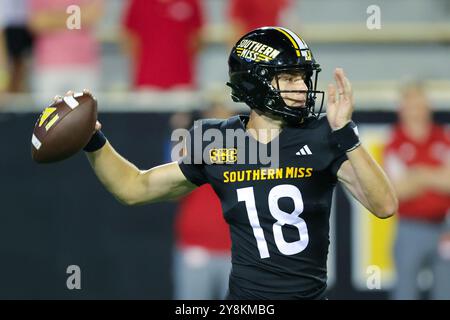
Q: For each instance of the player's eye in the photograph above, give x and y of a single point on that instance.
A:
(296, 77)
(285, 77)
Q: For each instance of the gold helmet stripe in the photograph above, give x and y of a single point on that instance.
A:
(297, 41)
(294, 43)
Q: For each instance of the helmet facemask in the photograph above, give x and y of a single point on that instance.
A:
(270, 97)
(295, 115)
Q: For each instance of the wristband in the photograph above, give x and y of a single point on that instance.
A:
(346, 138)
(97, 141)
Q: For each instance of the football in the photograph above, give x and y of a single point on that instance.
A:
(64, 128)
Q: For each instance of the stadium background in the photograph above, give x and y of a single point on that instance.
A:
(58, 215)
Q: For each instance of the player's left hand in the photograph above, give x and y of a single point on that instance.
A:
(339, 108)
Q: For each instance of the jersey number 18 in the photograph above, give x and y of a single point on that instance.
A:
(283, 218)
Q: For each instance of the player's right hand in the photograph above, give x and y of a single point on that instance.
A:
(98, 125)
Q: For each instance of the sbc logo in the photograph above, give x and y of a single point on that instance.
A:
(223, 155)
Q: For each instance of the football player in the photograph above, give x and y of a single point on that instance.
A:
(278, 214)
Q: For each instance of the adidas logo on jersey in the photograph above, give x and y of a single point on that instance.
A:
(304, 151)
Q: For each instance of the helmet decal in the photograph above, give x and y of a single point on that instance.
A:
(255, 51)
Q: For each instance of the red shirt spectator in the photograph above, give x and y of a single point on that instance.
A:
(434, 151)
(252, 14)
(202, 225)
(166, 32)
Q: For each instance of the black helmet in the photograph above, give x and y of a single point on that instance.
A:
(262, 54)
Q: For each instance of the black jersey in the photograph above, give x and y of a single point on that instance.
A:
(278, 215)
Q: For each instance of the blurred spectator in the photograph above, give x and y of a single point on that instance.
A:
(246, 15)
(3, 61)
(65, 59)
(202, 256)
(18, 43)
(202, 259)
(418, 162)
(163, 38)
